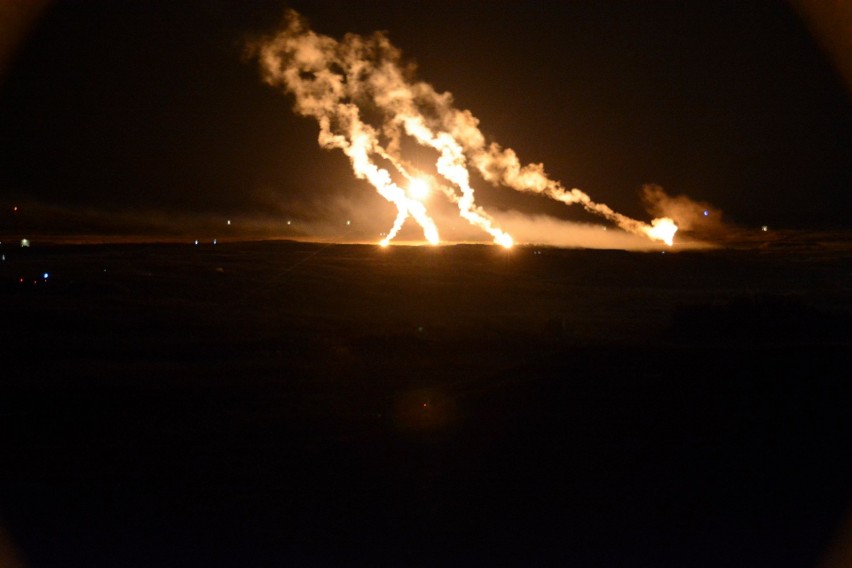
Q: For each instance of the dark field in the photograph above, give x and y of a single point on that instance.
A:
(278, 404)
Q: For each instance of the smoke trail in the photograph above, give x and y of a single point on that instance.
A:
(351, 84)
(696, 216)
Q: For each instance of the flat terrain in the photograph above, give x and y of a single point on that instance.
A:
(279, 403)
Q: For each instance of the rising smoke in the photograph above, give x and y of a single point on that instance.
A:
(699, 217)
(369, 105)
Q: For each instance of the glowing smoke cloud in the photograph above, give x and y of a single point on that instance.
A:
(340, 83)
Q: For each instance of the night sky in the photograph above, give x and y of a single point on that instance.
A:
(152, 106)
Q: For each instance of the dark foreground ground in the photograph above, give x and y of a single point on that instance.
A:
(279, 404)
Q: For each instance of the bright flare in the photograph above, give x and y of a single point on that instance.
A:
(418, 189)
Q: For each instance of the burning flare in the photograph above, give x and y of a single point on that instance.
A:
(340, 83)
(663, 229)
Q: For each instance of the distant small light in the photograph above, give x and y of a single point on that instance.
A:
(706, 213)
(348, 223)
(25, 243)
(4, 257)
(196, 242)
(764, 228)
(214, 241)
(45, 275)
(21, 280)
(15, 208)
(229, 221)
(288, 222)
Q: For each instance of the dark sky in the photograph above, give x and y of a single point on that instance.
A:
(149, 105)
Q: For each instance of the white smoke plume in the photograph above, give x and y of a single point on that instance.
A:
(368, 104)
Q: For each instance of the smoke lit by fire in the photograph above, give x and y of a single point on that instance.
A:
(368, 105)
